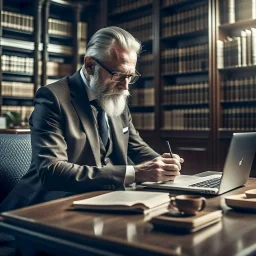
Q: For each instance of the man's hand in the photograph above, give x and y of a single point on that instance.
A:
(162, 168)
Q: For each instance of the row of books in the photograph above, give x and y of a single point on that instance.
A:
(186, 59)
(193, 93)
(17, 21)
(59, 27)
(238, 51)
(185, 22)
(239, 118)
(128, 5)
(142, 97)
(23, 111)
(56, 69)
(17, 64)
(184, 119)
(20, 44)
(56, 27)
(17, 89)
(146, 64)
(237, 10)
(236, 89)
(173, 2)
(144, 121)
(60, 49)
(140, 28)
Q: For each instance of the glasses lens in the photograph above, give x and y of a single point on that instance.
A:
(121, 77)
(134, 79)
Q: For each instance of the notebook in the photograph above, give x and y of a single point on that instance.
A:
(126, 201)
(235, 173)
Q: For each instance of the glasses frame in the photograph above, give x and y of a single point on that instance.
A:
(112, 73)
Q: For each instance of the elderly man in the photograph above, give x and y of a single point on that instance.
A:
(82, 132)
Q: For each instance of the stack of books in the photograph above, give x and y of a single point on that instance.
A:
(177, 222)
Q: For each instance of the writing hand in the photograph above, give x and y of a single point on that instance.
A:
(162, 168)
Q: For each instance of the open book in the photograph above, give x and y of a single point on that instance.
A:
(135, 201)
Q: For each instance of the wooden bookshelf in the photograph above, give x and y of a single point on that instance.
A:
(39, 43)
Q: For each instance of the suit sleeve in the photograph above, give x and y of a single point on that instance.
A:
(49, 150)
(138, 150)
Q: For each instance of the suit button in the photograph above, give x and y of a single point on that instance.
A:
(113, 187)
(105, 186)
(109, 187)
(106, 160)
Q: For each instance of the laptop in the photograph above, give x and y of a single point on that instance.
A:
(235, 173)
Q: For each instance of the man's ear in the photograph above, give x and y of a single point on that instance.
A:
(89, 65)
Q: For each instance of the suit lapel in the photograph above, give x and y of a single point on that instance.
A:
(118, 142)
(82, 105)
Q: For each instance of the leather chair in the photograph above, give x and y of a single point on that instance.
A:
(15, 159)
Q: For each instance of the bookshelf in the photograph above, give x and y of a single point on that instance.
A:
(198, 66)
(137, 18)
(172, 101)
(19, 50)
(236, 66)
(40, 41)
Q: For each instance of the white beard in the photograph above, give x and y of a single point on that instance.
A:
(112, 101)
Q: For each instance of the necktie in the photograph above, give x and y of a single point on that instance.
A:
(102, 123)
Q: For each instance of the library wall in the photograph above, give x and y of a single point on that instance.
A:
(41, 41)
(198, 74)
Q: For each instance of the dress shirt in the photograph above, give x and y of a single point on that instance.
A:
(130, 172)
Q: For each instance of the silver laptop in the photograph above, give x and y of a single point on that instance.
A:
(235, 174)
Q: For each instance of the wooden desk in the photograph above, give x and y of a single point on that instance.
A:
(52, 227)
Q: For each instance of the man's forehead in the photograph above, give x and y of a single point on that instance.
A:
(123, 57)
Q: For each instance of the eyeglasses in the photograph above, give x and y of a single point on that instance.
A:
(118, 76)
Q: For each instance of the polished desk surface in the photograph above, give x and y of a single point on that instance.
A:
(131, 234)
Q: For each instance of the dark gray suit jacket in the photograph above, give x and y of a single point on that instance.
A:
(66, 149)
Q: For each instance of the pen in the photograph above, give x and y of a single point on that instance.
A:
(170, 150)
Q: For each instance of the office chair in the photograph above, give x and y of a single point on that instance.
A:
(15, 159)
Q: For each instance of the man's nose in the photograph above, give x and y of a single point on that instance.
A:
(125, 84)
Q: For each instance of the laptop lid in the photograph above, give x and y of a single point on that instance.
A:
(239, 161)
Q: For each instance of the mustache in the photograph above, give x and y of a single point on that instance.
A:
(123, 93)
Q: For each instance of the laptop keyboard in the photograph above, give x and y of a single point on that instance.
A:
(212, 183)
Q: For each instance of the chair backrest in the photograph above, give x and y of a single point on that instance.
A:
(15, 159)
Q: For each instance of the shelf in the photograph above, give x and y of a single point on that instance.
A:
(186, 73)
(193, 105)
(246, 68)
(239, 102)
(185, 36)
(186, 134)
(17, 101)
(17, 31)
(185, 4)
(145, 109)
(11, 73)
(23, 79)
(57, 38)
(238, 25)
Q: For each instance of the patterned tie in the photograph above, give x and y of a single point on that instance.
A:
(102, 123)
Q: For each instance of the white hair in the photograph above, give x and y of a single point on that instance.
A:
(100, 45)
